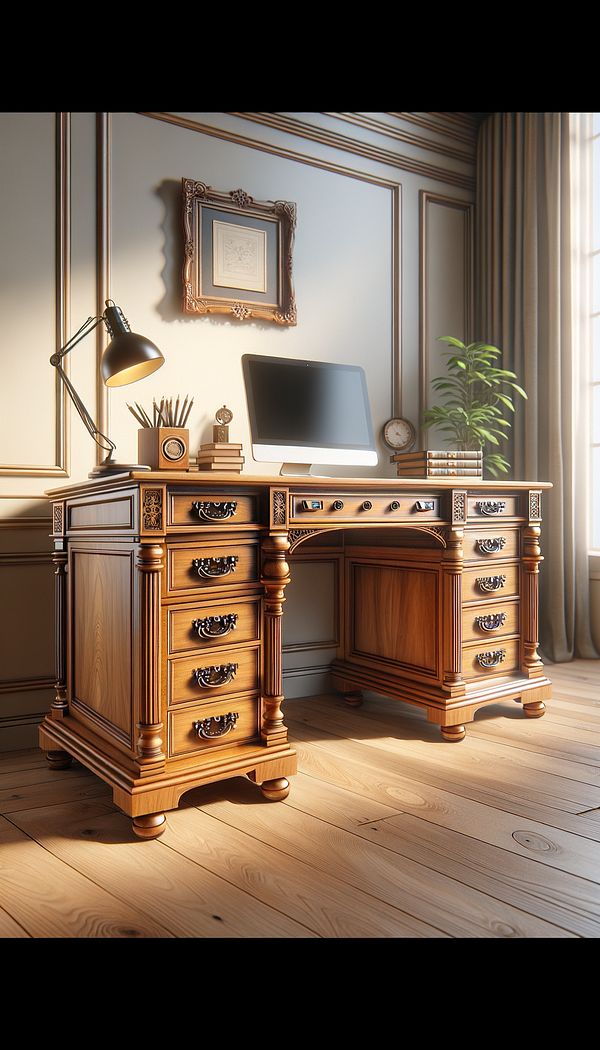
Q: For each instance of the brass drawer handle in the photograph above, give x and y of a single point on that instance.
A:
(213, 677)
(491, 546)
(492, 622)
(490, 506)
(210, 567)
(214, 511)
(490, 583)
(215, 626)
(218, 725)
(491, 659)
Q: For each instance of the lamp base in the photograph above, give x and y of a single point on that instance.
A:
(108, 466)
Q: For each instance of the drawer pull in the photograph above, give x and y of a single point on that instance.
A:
(210, 567)
(214, 511)
(490, 506)
(490, 623)
(394, 505)
(338, 504)
(491, 659)
(491, 546)
(366, 505)
(213, 677)
(424, 504)
(490, 583)
(218, 725)
(215, 626)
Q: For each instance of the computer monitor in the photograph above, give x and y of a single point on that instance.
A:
(305, 412)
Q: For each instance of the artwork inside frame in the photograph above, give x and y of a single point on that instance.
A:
(238, 255)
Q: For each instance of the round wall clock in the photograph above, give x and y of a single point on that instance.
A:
(173, 448)
(399, 434)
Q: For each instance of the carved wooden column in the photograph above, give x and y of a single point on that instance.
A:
(452, 567)
(275, 577)
(532, 665)
(150, 727)
(59, 706)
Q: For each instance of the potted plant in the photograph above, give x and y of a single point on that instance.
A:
(475, 394)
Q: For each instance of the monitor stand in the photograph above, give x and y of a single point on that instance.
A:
(299, 470)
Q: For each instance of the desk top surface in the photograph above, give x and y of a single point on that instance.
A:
(302, 483)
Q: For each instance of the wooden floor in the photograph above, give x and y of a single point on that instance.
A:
(387, 832)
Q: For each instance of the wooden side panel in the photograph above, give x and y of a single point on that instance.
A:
(101, 624)
(395, 614)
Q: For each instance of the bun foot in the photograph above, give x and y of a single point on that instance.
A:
(276, 790)
(58, 759)
(354, 699)
(453, 733)
(534, 710)
(150, 826)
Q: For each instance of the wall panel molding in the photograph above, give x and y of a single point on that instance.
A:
(427, 201)
(62, 271)
(381, 127)
(103, 145)
(337, 141)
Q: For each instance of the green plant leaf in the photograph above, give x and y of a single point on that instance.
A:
(450, 339)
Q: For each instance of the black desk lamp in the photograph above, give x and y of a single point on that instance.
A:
(127, 358)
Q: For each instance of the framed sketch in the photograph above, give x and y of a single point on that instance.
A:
(238, 255)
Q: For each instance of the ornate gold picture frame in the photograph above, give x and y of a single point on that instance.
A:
(237, 255)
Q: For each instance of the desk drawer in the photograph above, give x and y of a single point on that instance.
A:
(312, 508)
(205, 509)
(497, 657)
(205, 677)
(204, 626)
(200, 567)
(490, 621)
(488, 508)
(493, 581)
(490, 544)
(206, 727)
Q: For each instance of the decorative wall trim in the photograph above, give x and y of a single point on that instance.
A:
(426, 199)
(382, 128)
(335, 140)
(14, 721)
(396, 213)
(103, 144)
(464, 128)
(300, 672)
(27, 558)
(26, 523)
(62, 272)
(26, 685)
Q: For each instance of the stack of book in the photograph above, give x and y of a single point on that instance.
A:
(221, 456)
(438, 464)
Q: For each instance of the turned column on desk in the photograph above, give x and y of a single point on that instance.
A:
(150, 727)
(275, 577)
(59, 707)
(451, 622)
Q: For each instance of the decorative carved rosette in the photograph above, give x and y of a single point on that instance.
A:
(57, 519)
(297, 535)
(241, 198)
(152, 510)
(459, 507)
(240, 311)
(279, 506)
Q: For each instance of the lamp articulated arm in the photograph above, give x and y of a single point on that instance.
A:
(101, 439)
(127, 358)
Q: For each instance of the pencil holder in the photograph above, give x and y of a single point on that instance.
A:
(164, 448)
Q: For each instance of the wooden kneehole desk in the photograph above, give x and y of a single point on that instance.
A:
(170, 591)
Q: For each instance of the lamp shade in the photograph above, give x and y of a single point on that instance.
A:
(129, 356)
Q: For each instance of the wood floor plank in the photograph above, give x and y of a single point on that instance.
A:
(521, 800)
(10, 928)
(544, 843)
(181, 895)
(29, 758)
(499, 736)
(65, 789)
(563, 900)
(333, 848)
(319, 901)
(19, 778)
(48, 899)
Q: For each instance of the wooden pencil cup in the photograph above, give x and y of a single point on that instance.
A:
(164, 448)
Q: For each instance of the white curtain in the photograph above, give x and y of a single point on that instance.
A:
(533, 219)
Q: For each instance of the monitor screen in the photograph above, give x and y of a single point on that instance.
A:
(308, 411)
